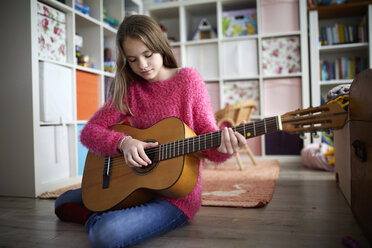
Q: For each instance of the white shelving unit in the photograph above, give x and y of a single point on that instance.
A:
(26, 136)
(222, 60)
(352, 13)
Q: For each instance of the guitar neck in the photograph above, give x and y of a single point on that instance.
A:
(210, 140)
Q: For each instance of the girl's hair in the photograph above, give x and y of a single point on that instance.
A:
(149, 32)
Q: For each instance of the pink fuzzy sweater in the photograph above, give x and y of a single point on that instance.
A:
(184, 96)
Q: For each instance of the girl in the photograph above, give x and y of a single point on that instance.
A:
(148, 87)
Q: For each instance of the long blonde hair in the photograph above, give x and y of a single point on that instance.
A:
(149, 32)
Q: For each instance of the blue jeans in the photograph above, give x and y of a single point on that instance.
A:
(130, 226)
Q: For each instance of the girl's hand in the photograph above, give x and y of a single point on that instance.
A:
(134, 152)
(231, 142)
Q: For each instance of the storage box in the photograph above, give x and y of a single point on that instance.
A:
(51, 30)
(56, 102)
(282, 95)
(54, 160)
(240, 58)
(204, 58)
(214, 93)
(238, 91)
(281, 56)
(279, 16)
(87, 94)
(239, 22)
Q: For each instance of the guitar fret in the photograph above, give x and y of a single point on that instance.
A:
(265, 125)
(174, 149)
(178, 149)
(254, 129)
(159, 152)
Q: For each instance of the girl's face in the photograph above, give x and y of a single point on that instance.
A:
(142, 61)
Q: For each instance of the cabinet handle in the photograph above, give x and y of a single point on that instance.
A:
(360, 150)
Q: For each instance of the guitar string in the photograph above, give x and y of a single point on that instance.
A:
(215, 135)
(212, 137)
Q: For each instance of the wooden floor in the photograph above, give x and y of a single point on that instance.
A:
(307, 210)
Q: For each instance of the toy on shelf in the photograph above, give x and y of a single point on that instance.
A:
(112, 22)
(109, 61)
(81, 59)
(85, 61)
(80, 6)
(204, 31)
(239, 22)
(78, 46)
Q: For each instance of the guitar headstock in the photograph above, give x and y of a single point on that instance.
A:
(325, 117)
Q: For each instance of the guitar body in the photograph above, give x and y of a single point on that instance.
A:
(175, 177)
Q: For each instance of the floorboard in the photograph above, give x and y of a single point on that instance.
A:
(307, 210)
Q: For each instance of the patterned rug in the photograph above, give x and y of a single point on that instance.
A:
(226, 185)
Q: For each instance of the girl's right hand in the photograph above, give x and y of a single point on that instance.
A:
(134, 152)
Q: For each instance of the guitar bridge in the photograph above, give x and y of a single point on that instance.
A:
(106, 172)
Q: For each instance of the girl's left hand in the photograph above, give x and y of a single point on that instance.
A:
(231, 142)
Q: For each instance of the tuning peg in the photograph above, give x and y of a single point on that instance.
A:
(302, 135)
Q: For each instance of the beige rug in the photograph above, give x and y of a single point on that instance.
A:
(226, 185)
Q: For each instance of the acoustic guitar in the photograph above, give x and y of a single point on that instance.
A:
(108, 183)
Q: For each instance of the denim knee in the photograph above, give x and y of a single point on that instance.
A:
(69, 196)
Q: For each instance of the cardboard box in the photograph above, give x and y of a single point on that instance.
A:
(56, 101)
(239, 22)
(51, 28)
(87, 94)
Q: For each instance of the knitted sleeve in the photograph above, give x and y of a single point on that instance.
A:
(97, 136)
(203, 115)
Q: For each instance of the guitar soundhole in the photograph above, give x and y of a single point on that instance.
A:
(147, 169)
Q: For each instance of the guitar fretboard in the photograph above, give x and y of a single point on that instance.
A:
(210, 140)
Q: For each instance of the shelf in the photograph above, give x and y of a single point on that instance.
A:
(233, 67)
(66, 64)
(239, 38)
(88, 18)
(51, 91)
(201, 42)
(58, 5)
(344, 47)
(237, 78)
(335, 82)
(345, 59)
(285, 34)
(288, 75)
(342, 10)
(87, 69)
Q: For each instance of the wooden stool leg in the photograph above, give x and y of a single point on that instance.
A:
(250, 154)
(239, 161)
